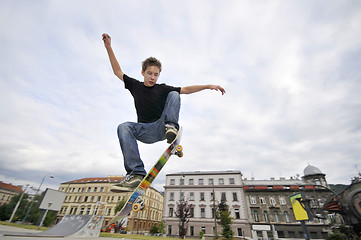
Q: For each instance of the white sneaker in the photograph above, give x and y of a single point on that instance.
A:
(170, 133)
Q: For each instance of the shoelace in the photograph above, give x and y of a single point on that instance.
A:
(127, 178)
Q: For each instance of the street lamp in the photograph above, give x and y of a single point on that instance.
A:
(32, 202)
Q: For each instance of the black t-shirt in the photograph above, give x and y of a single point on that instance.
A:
(149, 101)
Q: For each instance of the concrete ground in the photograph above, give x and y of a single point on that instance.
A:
(7, 229)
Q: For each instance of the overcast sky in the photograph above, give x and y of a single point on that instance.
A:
(291, 69)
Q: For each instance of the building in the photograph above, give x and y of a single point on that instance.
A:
(7, 191)
(88, 196)
(270, 211)
(203, 190)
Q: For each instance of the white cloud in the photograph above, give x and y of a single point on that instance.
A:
(291, 72)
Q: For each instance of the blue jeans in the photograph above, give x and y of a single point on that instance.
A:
(130, 132)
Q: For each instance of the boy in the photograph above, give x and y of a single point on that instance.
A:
(157, 107)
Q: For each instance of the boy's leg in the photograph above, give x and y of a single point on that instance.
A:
(134, 166)
(171, 115)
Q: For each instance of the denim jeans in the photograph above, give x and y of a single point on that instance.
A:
(130, 132)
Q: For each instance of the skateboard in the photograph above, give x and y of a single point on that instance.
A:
(135, 201)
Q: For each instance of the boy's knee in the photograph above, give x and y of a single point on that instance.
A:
(123, 128)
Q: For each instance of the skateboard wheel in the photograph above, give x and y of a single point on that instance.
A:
(179, 148)
(136, 207)
(179, 154)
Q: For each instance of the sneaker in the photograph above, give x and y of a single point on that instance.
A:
(129, 184)
(170, 133)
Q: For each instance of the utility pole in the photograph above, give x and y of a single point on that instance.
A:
(17, 204)
(215, 215)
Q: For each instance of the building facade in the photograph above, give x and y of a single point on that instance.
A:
(92, 196)
(270, 211)
(204, 190)
(7, 191)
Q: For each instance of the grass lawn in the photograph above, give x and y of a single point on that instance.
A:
(134, 236)
(32, 227)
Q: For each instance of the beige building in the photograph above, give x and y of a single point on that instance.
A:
(200, 188)
(7, 191)
(88, 196)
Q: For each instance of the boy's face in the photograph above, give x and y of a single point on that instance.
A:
(151, 75)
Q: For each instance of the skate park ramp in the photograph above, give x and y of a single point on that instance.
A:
(70, 225)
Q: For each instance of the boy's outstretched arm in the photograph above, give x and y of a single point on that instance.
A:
(197, 88)
(113, 60)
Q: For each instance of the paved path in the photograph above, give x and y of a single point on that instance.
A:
(8, 229)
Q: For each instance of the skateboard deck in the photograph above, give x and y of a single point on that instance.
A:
(134, 202)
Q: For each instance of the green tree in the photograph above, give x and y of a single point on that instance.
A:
(120, 205)
(225, 219)
(7, 209)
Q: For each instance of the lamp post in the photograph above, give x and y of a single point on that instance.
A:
(18, 203)
(46, 212)
(32, 202)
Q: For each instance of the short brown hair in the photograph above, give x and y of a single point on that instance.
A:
(151, 61)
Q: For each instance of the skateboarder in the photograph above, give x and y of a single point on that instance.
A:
(157, 107)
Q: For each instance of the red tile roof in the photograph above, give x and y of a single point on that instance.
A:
(115, 179)
(10, 187)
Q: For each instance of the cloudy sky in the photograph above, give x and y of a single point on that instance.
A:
(291, 69)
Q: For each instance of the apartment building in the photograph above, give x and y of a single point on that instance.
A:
(7, 191)
(270, 211)
(88, 196)
(202, 189)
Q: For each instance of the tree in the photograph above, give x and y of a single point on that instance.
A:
(183, 212)
(7, 209)
(225, 219)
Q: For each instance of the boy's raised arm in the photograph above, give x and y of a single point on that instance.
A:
(113, 60)
(197, 88)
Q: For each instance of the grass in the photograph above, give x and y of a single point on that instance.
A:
(32, 227)
(102, 234)
(134, 236)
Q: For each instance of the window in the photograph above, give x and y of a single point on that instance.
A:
(92, 199)
(191, 196)
(238, 216)
(171, 197)
(191, 181)
(255, 216)
(239, 231)
(170, 212)
(172, 181)
(265, 215)
(262, 200)
(221, 181)
(181, 182)
(235, 198)
(203, 212)
(99, 198)
(200, 181)
(182, 196)
(277, 218)
(88, 211)
(253, 200)
(85, 198)
(287, 217)
(202, 196)
(231, 181)
(102, 189)
(192, 212)
(210, 181)
(191, 230)
(282, 200)
(223, 196)
(272, 200)
(89, 189)
(95, 189)
(203, 229)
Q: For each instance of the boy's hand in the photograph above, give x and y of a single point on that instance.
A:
(217, 88)
(107, 40)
